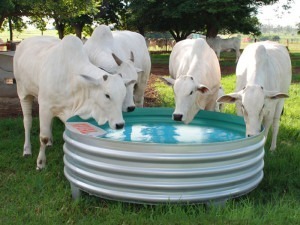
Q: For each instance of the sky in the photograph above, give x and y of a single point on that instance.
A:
(275, 15)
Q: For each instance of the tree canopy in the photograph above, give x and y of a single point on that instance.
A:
(179, 17)
(182, 17)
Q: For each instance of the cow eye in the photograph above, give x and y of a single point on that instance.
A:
(191, 92)
(107, 96)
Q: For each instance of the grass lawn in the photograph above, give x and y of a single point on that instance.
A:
(32, 197)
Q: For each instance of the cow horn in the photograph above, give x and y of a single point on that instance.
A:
(118, 61)
(131, 56)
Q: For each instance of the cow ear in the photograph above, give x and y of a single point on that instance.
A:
(90, 79)
(138, 70)
(118, 60)
(230, 98)
(277, 96)
(203, 89)
(129, 82)
(168, 80)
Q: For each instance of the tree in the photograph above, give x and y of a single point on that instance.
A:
(11, 12)
(182, 17)
(66, 13)
(39, 23)
(112, 12)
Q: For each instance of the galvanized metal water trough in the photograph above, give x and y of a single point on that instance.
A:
(145, 170)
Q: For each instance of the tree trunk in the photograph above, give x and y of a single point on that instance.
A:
(141, 30)
(60, 27)
(212, 30)
(1, 20)
(78, 30)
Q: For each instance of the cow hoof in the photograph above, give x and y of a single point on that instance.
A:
(39, 168)
(26, 155)
(27, 151)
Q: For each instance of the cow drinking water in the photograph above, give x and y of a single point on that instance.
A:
(195, 76)
(122, 52)
(263, 79)
(60, 75)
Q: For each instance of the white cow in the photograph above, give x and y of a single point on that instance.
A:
(196, 75)
(219, 45)
(123, 52)
(263, 79)
(127, 42)
(60, 75)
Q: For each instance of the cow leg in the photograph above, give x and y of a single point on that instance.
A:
(139, 94)
(274, 133)
(276, 120)
(45, 137)
(26, 105)
(267, 125)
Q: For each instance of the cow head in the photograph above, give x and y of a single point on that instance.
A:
(187, 93)
(105, 97)
(113, 64)
(130, 76)
(253, 102)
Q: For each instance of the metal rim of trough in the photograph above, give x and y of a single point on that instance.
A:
(151, 173)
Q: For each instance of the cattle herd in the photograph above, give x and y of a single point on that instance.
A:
(108, 74)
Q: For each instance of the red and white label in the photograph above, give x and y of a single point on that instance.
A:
(85, 128)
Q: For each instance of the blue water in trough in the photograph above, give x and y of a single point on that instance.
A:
(154, 159)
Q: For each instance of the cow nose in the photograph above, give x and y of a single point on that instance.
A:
(177, 117)
(130, 108)
(119, 126)
(250, 135)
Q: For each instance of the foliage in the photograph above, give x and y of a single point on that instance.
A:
(113, 12)
(269, 37)
(182, 17)
(178, 17)
(11, 12)
(67, 14)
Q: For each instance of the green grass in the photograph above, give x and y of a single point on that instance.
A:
(160, 58)
(18, 36)
(31, 197)
(277, 198)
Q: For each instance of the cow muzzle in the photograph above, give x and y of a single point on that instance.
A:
(177, 117)
(119, 126)
(130, 108)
